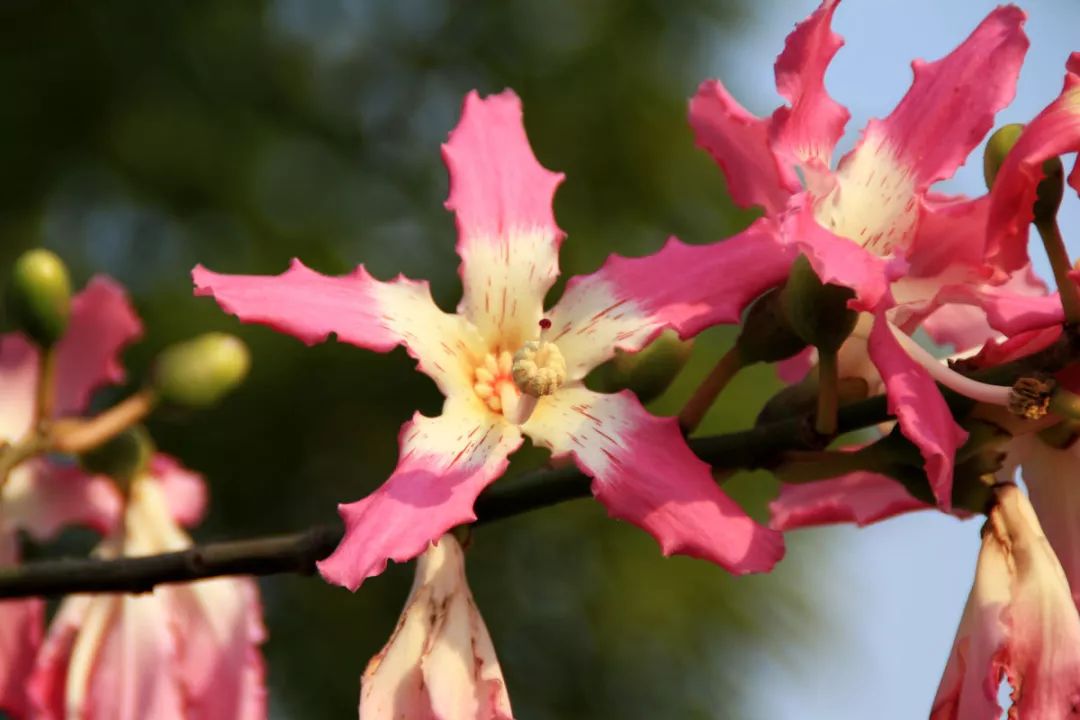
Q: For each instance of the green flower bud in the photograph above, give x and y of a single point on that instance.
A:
(766, 335)
(39, 296)
(122, 458)
(199, 372)
(817, 312)
(997, 148)
(1052, 187)
(650, 371)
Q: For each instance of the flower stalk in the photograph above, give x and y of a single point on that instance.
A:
(710, 388)
(1060, 265)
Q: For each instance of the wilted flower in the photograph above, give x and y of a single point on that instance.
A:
(440, 662)
(181, 652)
(1019, 624)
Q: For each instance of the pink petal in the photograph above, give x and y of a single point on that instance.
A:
(951, 233)
(22, 624)
(970, 314)
(1007, 311)
(628, 301)
(805, 133)
(1054, 131)
(919, 408)
(102, 324)
(444, 463)
(218, 626)
(108, 657)
(952, 102)
(950, 106)
(644, 473)
(860, 497)
(18, 386)
(1051, 478)
(1018, 346)
(357, 308)
(185, 491)
(42, 497)
(507, 237)
(440, 662)
(838, 259)
(739, 142)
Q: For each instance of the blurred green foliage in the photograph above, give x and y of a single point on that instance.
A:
(143, 138)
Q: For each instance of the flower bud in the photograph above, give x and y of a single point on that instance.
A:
(997, 148)
(199, 372)
(817, 312)
(1051, 188)
(651, 370)
(39, 296)
(766, 335)
(123, 457)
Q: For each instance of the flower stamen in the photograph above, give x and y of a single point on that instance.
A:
(539, 368)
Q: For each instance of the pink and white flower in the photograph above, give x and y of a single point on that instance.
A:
(440, 662)
(874, 224)
(1019, 625)
(183, 652)
(41, 496)
(505, 372)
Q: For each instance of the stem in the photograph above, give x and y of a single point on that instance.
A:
(758, 447)
(1059, 263)
(76, 436)
(811, 466)
(46, 387)
(711, 387)
(12, 455)
(828, 396)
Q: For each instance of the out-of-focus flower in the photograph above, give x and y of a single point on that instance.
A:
(440, 662)
(41, 496)
(183, 652)
(1019, 624)
(873, 224)
(507, 368)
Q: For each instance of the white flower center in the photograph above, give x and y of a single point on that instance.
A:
(539, 368)
(873, 203)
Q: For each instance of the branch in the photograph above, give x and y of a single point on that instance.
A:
(759, 447)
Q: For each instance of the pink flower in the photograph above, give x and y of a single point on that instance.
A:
(1019, 624)
(42, 496)
(1054, 131)
(1022, 304)
(440, 662)
(187, 651)
(874, 224)
(505, 372)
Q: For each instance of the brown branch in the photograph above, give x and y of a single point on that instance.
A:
(759, 447)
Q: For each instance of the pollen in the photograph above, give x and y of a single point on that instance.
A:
(492, 381)
(539, 368)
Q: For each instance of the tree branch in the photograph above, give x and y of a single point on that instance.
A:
(757, 447)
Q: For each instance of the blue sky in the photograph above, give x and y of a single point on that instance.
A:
(893, 592)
